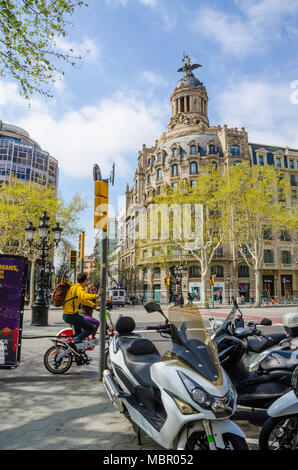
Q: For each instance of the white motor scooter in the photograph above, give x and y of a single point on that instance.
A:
(182, 400)
(280, 431)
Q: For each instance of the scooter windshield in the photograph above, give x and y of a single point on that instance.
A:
(192, 346)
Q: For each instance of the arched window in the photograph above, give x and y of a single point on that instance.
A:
(194, 271)
(175, 152)
(193, 168)
(212, 149)
(158, 174)
(217, 270)
(159, 157)
(243, 271)
(193, 149)
(175, 169)
(235, 150)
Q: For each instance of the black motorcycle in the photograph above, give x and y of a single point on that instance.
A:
(272, 378)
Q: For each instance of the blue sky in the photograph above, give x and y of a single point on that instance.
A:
(118, 99)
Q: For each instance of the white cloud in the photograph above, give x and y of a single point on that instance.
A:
(113, 129)
(249, 31)
(264, 109)
(153, 78)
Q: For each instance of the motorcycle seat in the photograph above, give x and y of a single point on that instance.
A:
(259, 344)
(139, 354)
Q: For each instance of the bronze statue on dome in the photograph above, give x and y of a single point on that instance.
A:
(188, 67)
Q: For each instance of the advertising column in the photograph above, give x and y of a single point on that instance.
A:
(13, 272)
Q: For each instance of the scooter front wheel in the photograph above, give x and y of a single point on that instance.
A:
(279, 433)
(198, 441)
(53, 363)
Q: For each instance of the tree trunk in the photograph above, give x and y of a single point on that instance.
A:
(258, 287)
(203, 289)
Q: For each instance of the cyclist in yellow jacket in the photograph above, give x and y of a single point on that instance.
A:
(71, 313)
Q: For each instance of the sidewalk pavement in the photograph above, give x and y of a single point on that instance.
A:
(41, 411)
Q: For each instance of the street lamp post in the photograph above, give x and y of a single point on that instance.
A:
(40, 306)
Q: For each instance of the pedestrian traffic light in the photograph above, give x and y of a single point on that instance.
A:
(101, 192)
(73, 259)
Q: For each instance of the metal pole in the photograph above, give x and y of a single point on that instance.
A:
(102, 326)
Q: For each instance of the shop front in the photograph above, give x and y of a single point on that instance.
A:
(268, 286)
(243, 288)
(286, 285)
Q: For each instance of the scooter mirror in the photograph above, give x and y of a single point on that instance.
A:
(266, 322)
(152, 307)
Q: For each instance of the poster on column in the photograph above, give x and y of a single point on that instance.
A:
(219, 292)
(13, 274)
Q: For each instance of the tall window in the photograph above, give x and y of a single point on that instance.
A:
(158, 174)
(194, 271)
(243, 271)
(175, 152)
(235, 150)
(268, 256)
(148, 162)
(261, 160)
(292, 164)
(148, 179)
(175, 170)
(278, 162)
(156, 272)
(286, 257)
(217, 270)
(193, 149)
(212, 149)
(193, 168)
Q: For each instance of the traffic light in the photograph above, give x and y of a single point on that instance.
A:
(101, 193)
(82, 245)
(73, 259)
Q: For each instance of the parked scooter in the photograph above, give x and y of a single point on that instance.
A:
(182, 400)
(272, 378)
(258, 344)
(280, 431)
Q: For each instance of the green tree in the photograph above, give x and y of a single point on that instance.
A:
(256, 201)
(23, 203)
(29, 30)
(197, 229)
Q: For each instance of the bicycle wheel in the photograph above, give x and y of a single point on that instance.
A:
(279, 433)
(56, 364)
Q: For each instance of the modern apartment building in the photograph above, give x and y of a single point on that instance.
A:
(22, 156)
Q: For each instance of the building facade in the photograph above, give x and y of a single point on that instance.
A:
(22, 156)
(189, 144)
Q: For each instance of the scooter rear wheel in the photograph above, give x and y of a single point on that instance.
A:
(55, 365)
(279, 433)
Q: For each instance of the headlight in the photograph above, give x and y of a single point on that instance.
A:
(221, 406)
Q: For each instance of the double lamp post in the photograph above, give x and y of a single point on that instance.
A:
(40, 307)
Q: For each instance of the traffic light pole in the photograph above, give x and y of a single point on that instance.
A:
(102, 326)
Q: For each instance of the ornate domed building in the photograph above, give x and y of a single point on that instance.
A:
(190, 144)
